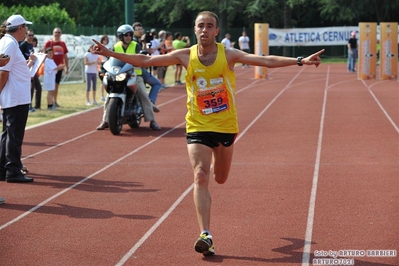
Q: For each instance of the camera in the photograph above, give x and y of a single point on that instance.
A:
(148, 37)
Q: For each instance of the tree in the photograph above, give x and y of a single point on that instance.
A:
(51, 14)
(343, 12)
(102, 13)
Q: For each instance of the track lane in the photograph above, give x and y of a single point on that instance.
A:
(96, 215)
(259, 221)
(357, 203)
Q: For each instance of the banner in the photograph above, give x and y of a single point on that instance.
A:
(323, 36)
(261, 47)
(311, 36)
(388, 50)
(367, 50)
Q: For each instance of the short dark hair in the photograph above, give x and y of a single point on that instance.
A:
(48, 49)
(209, 13)
(136, 24)
(177, 34)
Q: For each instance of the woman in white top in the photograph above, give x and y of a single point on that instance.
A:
(105, 41)
(91, 62)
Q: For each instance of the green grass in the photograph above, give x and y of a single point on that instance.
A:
(72, 99)
(331, 60)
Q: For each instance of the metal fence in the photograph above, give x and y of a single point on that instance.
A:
(78, 30)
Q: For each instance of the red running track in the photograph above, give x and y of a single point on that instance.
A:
(315, 170)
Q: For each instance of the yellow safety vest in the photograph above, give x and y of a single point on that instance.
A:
(131, 49)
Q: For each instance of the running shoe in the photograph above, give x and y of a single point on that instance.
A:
(204, 245)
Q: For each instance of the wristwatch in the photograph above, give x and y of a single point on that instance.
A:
(298, 60)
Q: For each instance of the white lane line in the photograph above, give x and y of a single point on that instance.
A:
(147, 235)
(78, 137)
(380, 105)
(62, 118)
(94, 174)
(312, 201)
(87, 178)
(58, 145)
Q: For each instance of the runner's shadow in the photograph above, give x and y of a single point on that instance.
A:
(90, 185)
(146, 132)
(74, 212)
(293, 256)
(40, 144)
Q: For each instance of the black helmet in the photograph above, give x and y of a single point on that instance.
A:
(123, 30)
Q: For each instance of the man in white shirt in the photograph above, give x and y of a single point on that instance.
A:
(3, 61)
(226, 41)
(15, 82)
(243, 42)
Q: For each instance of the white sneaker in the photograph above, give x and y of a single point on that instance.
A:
(103, 99)
(88, 103)
(95, 103)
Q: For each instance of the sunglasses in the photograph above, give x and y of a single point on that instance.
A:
(128, 34)
(58, 32)
(31, 35)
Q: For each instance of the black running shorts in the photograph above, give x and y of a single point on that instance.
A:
(211, 139)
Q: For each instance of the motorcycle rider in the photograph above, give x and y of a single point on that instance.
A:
(127, 45)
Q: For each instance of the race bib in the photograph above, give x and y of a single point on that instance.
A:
(213, 100)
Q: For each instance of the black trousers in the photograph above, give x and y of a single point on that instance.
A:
(14, 123)
(36, 87)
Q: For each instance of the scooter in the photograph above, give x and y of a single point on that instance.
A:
(123, 105)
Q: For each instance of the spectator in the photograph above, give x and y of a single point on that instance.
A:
(155, 49)
(60, 51)
(243, 42)
(352, 52)
(35, 43)
(167, 48)
(27, 48)
(147, 77)
(15, 82)
(50, 70)
(226, 41)
(179, 42)
(105, 41)
(161, 71)
(91, 62)
(3, 62)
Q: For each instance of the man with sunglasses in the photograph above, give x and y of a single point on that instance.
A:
(60, 51)
(26, 48)
(15, 80)
(128, 46)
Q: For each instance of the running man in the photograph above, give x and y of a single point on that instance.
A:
(212, 116)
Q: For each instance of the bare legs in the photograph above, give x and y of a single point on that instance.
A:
(201, 158)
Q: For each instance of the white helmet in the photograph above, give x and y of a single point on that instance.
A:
(123, 29)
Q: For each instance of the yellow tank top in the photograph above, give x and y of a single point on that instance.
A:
(131, 49)
(210, 95)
